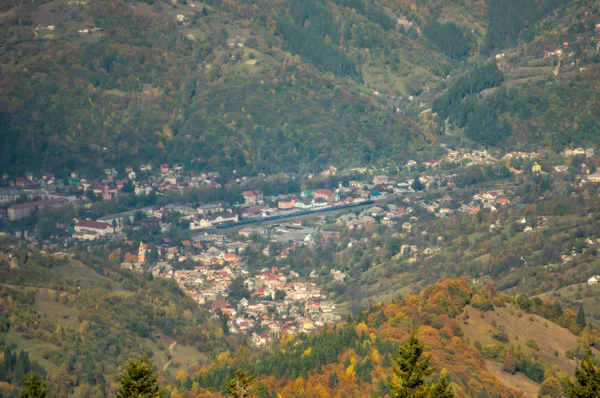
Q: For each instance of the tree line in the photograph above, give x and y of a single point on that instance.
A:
(410, 379)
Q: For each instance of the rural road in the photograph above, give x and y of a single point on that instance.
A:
(170, 355)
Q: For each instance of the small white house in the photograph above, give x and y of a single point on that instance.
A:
(593, 280)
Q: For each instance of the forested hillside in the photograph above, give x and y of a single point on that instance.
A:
(356, 356)
(76, 319)
(259, 86)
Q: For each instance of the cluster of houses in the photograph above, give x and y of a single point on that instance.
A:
(280, 302)
(144, 180)
(464, 157)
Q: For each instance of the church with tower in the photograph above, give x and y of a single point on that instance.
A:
(142, 253)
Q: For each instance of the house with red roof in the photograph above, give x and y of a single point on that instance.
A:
(218, 305)
(101, 228)
(24, 210)
(91, 230)
(326, 194)
(230, 257)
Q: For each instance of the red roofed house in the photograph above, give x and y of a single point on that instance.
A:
(503, 201)
(91, 225)
(218, 304)
(261, 291)
(24, 210)
(91, 230)
(229, 257)
(324, 194)
(164, 168)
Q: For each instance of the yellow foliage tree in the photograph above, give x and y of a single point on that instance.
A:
(350, 371)
(83, 327)
(375, 356)
(361, 328)
(223, 357)
(175, 393)
(181, 375)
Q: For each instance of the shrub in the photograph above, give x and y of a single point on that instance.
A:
(510, 364)
(532, 344)
(495, 352)
(499, 333)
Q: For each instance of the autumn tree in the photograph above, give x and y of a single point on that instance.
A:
(550, 388)
(139, 379)
(412, 369)
(241, 385)
(587, 384)
(34, 387)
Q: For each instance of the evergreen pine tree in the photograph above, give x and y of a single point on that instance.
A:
(9, 362)
(417, 185)
(241, 385)
(581, 317)
(587, 384)
(333, 380)
(22, 368)
(34, 387)
(411, 370)
(138, 380)
(558, 311)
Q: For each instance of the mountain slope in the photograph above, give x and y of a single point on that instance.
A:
(83, 321)
(468, 345)
(259, 86)
(140, 86)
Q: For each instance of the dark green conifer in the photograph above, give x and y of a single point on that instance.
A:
(34, 387)
(241, 385)
(138, 380)
(587, 384)
(412, 369)
(581, 317)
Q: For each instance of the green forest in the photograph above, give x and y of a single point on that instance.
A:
(263, 87)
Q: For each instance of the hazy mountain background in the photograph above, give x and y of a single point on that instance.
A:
(264, 86)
